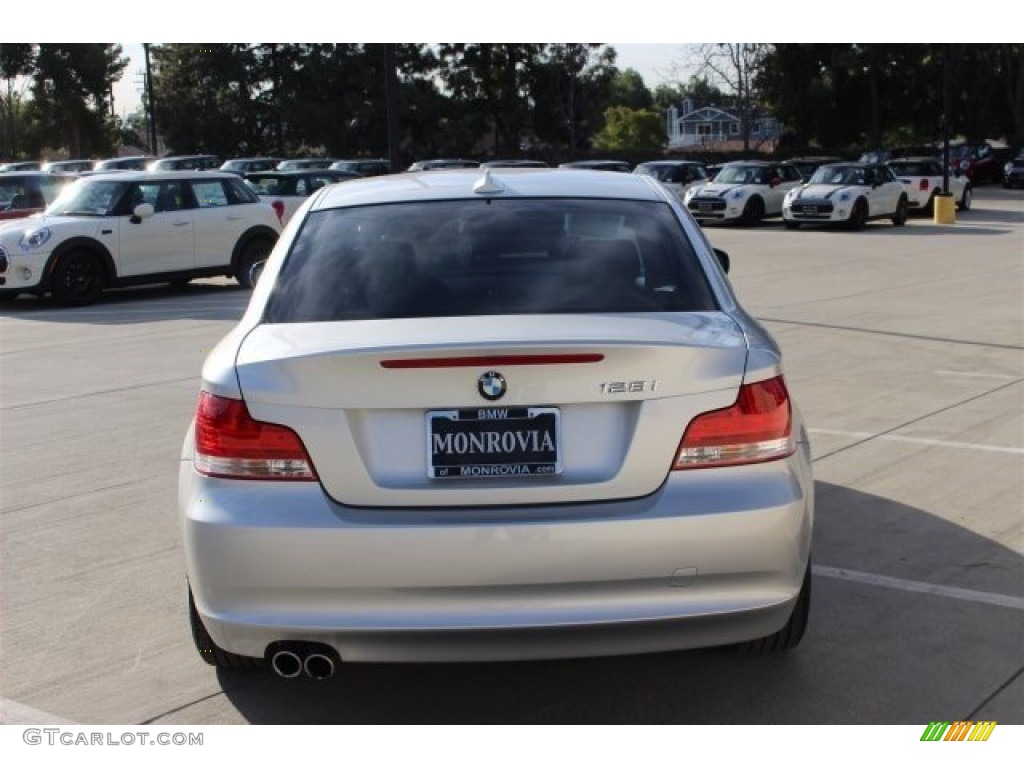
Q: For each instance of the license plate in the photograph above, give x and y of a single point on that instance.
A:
(493, 442)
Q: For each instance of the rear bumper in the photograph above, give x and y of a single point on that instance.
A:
(713, 557)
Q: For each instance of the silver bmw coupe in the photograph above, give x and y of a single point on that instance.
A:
(493, 414)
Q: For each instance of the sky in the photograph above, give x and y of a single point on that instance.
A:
(656, 63)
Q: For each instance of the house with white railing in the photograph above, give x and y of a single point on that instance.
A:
(714, 128)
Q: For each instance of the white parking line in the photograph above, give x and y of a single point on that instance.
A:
(875, 580)
(921, 441)
(13, 713)
(974, 374)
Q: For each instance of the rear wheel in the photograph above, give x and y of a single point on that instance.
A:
(251, 263)
(789, 636)
(78, 279)
(930, 207)
(902, 212)
(209, 651)
(965, 200)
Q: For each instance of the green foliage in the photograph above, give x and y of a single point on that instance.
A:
(843, 96)
(631, 131)
(628, 90)
(57, 95)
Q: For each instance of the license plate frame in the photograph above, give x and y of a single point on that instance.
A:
(506, 442)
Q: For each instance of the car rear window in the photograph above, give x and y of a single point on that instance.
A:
(488, 257)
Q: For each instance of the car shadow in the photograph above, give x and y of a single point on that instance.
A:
(914, 228)
(145, 304)
(871, 653)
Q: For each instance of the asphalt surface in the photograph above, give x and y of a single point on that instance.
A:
(903, 347)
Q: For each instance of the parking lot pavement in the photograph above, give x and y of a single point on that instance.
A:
(904, 347)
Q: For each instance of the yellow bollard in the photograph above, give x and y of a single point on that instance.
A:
(945, 209)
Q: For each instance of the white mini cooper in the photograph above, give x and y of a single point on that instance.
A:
(850, 194)
(131, 228)
(747, 192)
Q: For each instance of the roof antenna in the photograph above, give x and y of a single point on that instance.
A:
(485, 185)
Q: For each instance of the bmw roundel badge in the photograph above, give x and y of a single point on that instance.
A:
(491, 386)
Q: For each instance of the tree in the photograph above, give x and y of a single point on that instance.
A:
(71, 97)
(16, 61)
(856, 96)
(490, 83)
(570, 90)
(737, 66)
(628, 90)
(631, 131)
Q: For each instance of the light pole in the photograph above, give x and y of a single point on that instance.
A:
(149, 103)
(391, 101)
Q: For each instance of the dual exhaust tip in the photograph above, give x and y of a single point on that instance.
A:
(290, 660)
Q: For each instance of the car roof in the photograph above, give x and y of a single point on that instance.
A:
(922, 159)
(35, 175)
(671, 162)
(854, 164)
(302, 172)
(161, 175)
(185, 157)
(814, 159)
(458, 184)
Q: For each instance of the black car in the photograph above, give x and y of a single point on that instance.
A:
(514, 163)
(132, 163)
(305, 164)
(621, 166)
(806, 166)
(186, 163)
(1013, 173)
(244, 165)
(25, 165)
(377, 166)
(442, 164)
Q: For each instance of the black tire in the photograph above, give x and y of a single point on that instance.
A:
(966, 199)
(859, 215)
(929, 209)
(753, 211)
(212, 653)
(789, 637)
(251, 262)
(902, 213)
(791, 224)
(78, 279)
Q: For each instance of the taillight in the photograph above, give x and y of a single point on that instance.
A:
(923, 185)
(231, 443)
(755, 428)
(278, 206)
